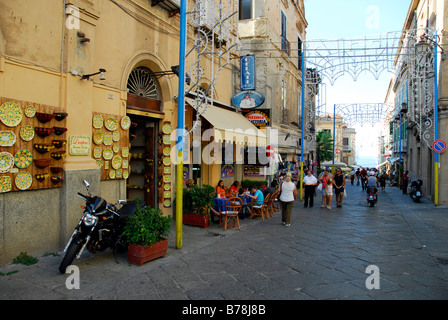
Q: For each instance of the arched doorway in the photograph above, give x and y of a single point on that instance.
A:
(144, 107)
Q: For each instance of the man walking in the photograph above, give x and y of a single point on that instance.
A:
(310, 183)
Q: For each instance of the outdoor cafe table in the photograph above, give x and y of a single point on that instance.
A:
(218, 205)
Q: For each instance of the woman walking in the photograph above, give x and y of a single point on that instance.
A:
(327, 190)
(288, 193)
(339, 184)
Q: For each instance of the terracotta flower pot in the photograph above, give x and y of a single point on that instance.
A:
(138, 255)
(198, 220)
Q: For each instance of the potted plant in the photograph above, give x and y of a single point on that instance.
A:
(146, 231)
(196, 202)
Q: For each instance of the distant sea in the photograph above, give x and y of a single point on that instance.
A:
(367, 161)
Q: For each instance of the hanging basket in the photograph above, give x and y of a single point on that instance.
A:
(59, 130)
(43, 148)
(60, 115)
(44, 117)
(43, 132)
(42, 163)
(59, 143)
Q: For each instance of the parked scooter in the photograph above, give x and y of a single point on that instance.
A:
(100, 227)
(416, 190)
(371, 196)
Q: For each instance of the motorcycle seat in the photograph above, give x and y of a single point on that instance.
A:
(127, 209)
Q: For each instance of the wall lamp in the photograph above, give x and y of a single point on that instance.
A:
(87, 76)
(174, 70)
(426, 40)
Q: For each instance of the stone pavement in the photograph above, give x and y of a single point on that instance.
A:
(322, 255)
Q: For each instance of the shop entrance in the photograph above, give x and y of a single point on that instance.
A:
(143, 179)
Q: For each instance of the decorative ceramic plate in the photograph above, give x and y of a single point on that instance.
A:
(116, 162)
(108, 154)
(24, 180)
(97, 121)
(23, 158)
(167, 186)
(125, 122)
(5, 184)
(30, 111)
(166, 139)
(10, 114)
(167, 203)
(112, 174)
(166, 170)
(99, 163)
(107, 139)
(167, 194)
(27, 133)
(166, 151)
(125, 174)
(125, 164)
(98, 137)
(7, 138)
(97, 152)
(167, 161)
(125, 152)
(119, 174)
(116, 148)
(6, 162)
(106, 165)
(116, 136)
(167, 128)
(167, 178)
(111, 124)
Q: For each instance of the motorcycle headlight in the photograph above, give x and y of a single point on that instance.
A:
(89, 220)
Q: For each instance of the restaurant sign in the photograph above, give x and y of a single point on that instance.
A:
(247, 76)
(248, 99)
(253, 171)
(259, 118)
(80, 145)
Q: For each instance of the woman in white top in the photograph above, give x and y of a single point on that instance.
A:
(288, 194)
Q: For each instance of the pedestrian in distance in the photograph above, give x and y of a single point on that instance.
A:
(310, 183)
(327, 189)
(339, 184)
(405, 181)
(352, 176)
(358, 176)
(382, 179)
(288, 193)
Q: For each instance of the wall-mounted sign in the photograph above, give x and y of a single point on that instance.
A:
(247, 76)
(248, 99)
(259, 118)
(253, 171)
(227, 171)
(80, 146)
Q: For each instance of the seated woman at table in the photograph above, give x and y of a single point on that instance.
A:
(220, 189)
(234, 188)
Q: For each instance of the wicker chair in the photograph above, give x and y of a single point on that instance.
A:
(271, 204)
(230, 213)
(260, 210)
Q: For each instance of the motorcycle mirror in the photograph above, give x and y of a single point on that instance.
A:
(87, 184)
(122, 202)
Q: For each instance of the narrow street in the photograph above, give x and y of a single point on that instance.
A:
(322, 255)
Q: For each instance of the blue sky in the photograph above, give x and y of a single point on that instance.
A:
(337, 19)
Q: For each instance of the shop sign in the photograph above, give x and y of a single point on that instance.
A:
(248, 99)
(253, 171)
(247, 76)
(259, 118)
(227, 171)
(80, 145)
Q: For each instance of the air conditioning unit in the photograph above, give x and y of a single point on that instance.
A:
(204, 16)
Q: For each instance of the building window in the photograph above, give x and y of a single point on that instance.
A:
(299, 52)
(245, 9)
(286, 47)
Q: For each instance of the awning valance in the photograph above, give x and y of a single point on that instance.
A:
(231, 126)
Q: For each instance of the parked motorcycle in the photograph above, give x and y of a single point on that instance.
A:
(416, 190)
(100, 227)
(371, 196)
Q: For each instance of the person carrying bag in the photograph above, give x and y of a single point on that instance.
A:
(288, 193)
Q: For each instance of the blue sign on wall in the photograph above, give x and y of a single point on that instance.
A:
(247, 76)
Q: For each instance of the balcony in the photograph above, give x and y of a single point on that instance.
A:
(286, 46)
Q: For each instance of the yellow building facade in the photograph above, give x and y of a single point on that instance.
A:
(51, 57)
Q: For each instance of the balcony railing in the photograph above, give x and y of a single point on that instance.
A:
(286, 46)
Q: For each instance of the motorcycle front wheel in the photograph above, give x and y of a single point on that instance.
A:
(70, 255)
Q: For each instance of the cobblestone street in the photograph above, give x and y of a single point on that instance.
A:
(322, 255)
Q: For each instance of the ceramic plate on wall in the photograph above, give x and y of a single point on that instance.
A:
(27, 133)
(30, 111)
(5, 184)
(125, 123)
(107, 139)
(23, 159)
(6, 161)
(111, 124)
(116, 162)
(10, 114)
(7, 138)
(97, 121)
(24, 180)
(108, 154)
(98, 137)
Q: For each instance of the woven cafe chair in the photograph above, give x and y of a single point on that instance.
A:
(230, 213)
(260, 210)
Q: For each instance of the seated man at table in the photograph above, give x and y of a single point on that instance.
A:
(256, 195)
